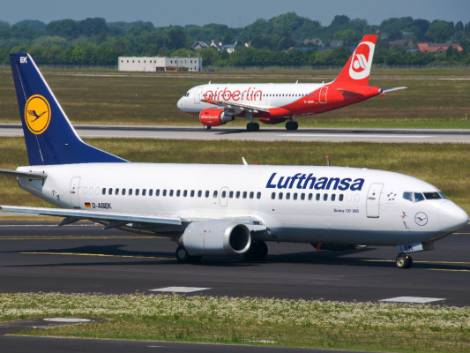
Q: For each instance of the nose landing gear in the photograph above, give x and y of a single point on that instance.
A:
(404, 261)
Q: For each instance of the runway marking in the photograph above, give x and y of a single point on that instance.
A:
(448, 270)
(178, 289)
(412, 300)
(357, 136)
(425, 262)
(94, 255)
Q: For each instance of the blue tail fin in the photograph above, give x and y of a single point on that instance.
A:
(50, 137)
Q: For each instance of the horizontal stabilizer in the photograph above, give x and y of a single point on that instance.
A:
(15, 173)
(394, 89)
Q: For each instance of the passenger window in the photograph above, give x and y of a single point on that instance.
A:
(230, 194)
(123, 192)
(287, 195)
(192, 193)
(110, 191)
(171, 193)
(341, 197)
(252, 194)
(295, 196)
(199, 193)
(215, 194)
(325, 197)
(280, 196)
(178, 193)
(144, 192)
(408, 196)
(245, 194)
(333, 197)
(237, 194)
(130, 192)
(273, 196)
(258, 195)
(116, 191)
(151, 192)
(317, 197)
(419, 197)
(207, 194)
(302, 196)
(164, 193)
(310, 197)
(185, 193)
(103, 191)
(224, 194)
(157, 192)
(137, 192)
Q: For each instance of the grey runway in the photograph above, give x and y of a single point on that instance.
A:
(13, 344)
(265, 134)
(85, 258)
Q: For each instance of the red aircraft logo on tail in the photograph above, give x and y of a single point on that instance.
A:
(362, 61)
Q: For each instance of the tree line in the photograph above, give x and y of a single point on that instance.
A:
(285, 40)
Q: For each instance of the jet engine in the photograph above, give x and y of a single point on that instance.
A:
(216, 238)
(214, 117)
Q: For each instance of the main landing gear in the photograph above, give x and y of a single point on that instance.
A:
(252, 126)
(404, 260)
(182, 256)
(292, 125)
(258, 251)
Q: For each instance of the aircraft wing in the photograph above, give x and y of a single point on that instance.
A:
(236, 107)
(73, 215)
(15, 173)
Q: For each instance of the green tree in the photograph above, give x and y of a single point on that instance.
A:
(440, 31)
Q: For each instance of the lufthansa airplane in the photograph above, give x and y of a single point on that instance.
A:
(211, 209)
(217, 104)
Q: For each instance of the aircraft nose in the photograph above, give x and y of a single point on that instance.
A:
(180, 103)
(457, 218)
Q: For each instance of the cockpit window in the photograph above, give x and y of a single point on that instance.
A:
(419, 197)
(187, 94)
(433, 195)
(408, 196)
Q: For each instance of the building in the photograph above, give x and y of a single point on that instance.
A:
(198, 45)
(158, 64)
(438, 48)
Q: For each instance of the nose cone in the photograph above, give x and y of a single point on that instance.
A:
(456, 217)
(180, 104)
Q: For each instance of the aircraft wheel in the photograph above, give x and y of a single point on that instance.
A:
(182, 256)
(258, 251)
(208, 127)
(252, 126)
(404, 261)
(292, 125)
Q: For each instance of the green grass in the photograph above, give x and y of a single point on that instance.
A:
(436, 98)
(447, 166)
(296, 323)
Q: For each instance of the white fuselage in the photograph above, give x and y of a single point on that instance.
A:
(262, 95)
(295, 203)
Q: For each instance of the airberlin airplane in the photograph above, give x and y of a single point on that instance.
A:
(215, 209)
(218, 104)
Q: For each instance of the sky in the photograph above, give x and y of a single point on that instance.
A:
(235, 13)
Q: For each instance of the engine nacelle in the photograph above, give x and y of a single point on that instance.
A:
(214, 117)
(216, 238)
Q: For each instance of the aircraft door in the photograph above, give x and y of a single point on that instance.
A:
(373, 201)
(223, 196)
(74, 191)
(197, 97)
(323, 98)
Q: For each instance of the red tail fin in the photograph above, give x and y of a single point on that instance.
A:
(357, 68)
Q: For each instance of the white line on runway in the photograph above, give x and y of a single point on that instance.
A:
(178, 289)
(358, 136)
(412, 300)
